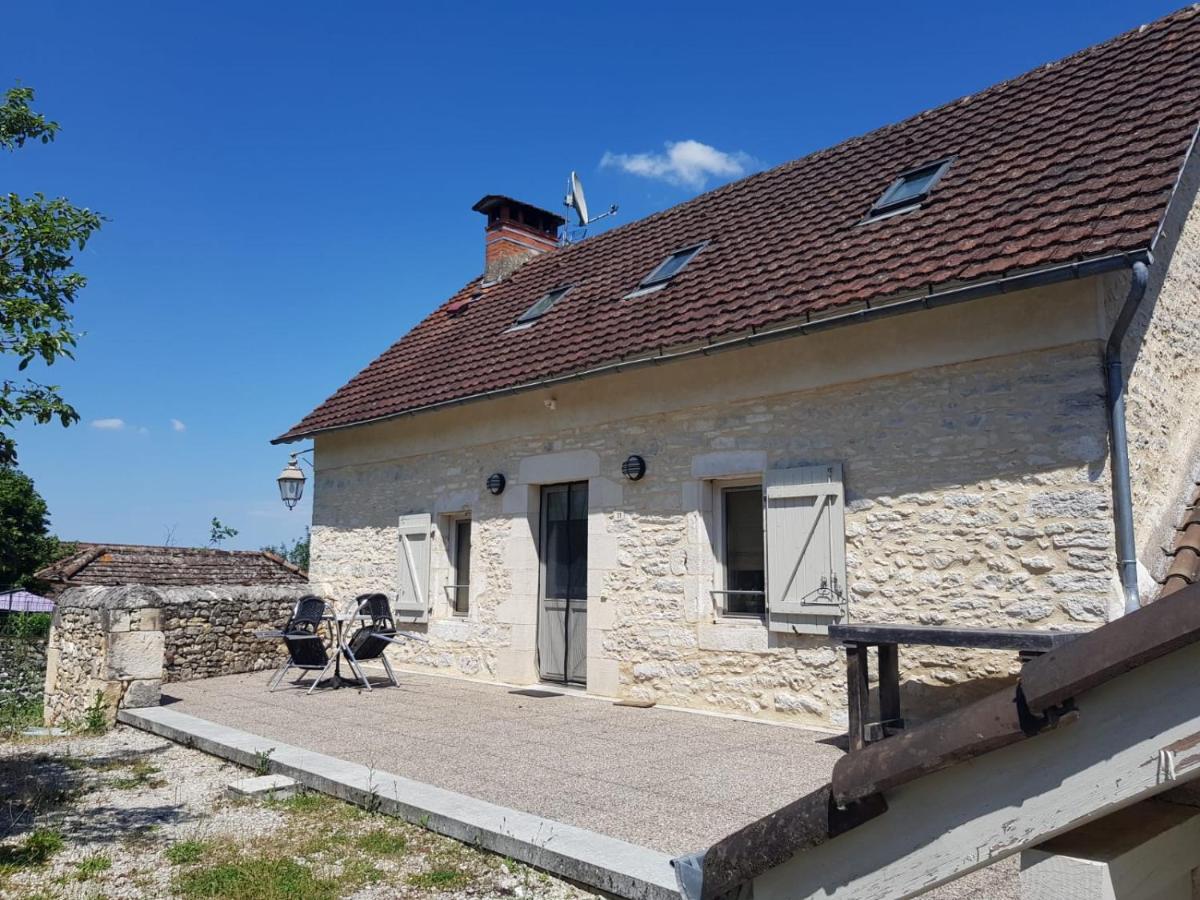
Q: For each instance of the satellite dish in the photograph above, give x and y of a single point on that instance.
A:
(575, 199)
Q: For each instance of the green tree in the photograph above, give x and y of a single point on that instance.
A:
(219, 532)
(296, 553)
(37, 281)
(26, 544)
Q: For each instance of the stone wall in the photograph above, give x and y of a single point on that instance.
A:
(122, 643)
(22, 669)
(977, 494)
(1161, 354)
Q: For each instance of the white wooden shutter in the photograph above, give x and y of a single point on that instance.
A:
(806, 548)
(412, 584)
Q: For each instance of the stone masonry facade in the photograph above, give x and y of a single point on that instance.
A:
(121, 644)
(976, 494)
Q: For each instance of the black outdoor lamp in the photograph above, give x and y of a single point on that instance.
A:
(634, 467)
(291, 481)
(495, 484)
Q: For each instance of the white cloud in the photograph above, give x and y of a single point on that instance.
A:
(108, 424)
(176, 425)
(684, 163)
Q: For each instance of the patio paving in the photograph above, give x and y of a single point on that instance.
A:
(672, 781)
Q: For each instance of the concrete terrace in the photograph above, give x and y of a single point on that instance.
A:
(671, 781)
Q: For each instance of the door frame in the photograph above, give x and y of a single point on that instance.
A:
(566, 679)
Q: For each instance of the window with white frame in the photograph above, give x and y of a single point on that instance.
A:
(780, 549)
(741, 582)
(459, 590)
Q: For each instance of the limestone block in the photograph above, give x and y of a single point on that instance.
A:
(604, 493)
(604, 677)
(523, 638)
(142, 693)
(520, 608)
(729, 463)
(516, 666)
(135, 654)
(748, 637)
(149, 619)
(553, 468)
(602, 612)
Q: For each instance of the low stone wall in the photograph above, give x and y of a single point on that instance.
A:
(121, 644)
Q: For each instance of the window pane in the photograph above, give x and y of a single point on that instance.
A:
(673, 263)
(541, 306)
(744, 570)
(565, 551)
(462, 566)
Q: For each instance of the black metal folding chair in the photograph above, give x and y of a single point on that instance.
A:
(302, 637)
(371, 640)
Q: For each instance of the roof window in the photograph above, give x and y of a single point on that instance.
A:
(669, 268)
(542, 306)
(909, 189)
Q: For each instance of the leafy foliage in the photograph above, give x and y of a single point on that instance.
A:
(25, 541)
(296, 553)
(220, 532)
(37, 284)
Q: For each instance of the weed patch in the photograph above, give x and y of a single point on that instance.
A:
(36, 850)
(185, 853)
(382, 842)
(439, 879)
(90, 866)
(257, 878)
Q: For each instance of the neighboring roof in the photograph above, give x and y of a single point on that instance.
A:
(115, 564)
(1185, 555)
(1074, 161)
(24, 601)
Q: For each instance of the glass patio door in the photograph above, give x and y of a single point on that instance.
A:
(562, 612)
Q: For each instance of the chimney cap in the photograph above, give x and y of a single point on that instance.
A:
(499, 206)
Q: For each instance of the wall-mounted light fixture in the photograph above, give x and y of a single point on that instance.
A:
(634, 467)
(291, 480)
(495, 484)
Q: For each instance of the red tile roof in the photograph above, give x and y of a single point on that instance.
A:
(1076, 160)
(113, 564)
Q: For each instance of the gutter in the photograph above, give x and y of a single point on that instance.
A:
(1121, 488)
(931, 299)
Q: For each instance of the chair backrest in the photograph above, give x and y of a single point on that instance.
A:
(377, 608)
(307, 615)
(368, 642)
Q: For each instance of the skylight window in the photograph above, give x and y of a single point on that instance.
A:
(669, 267)
(542, 306)
(909, 189)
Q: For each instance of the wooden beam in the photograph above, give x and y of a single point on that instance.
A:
(942, 636)
(944, 825)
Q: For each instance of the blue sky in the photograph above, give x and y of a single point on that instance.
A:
(289, 186)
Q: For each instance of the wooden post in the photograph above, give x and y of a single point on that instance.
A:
(889, 687)
(857, 696)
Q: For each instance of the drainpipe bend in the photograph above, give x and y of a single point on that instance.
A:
(1122, 491)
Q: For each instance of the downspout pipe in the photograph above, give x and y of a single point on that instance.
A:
(1122, 491)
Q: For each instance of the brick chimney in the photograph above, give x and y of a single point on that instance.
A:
(515, 232)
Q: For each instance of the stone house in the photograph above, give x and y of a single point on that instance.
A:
(939, 373)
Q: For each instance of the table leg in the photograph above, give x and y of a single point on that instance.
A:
(857, 696)
(889, 686)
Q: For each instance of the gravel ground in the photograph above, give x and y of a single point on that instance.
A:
(141, 817)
